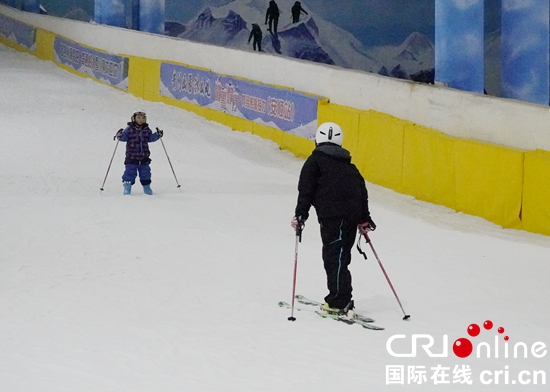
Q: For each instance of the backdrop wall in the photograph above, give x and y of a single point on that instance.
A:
(476, 154)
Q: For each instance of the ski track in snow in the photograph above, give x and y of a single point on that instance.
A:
(179, 291)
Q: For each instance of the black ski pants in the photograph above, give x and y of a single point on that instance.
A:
(338, 236)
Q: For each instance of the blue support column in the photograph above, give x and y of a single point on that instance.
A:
(459, 44)
(525, 49)
(31, 6)
(151, 16)
(110, 12)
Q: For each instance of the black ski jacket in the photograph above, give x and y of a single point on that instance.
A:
(333, 185)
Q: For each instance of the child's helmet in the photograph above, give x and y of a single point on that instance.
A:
(138, 112)
(329, 132)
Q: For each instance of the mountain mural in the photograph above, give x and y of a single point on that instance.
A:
(312, 38)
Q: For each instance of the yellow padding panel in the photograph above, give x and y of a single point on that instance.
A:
(428, 165)
(489, 181)
(379, 154)
(536, 192)
(144, 78)
(299, 146)
(45, 44)
(240, 124)
(348, 119)
(268, 133)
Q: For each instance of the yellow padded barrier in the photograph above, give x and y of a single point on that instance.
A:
(536, 192)
(428, 165)
(379, 154)
(345, 116)
(44, 44)
(240, 124)
(268, 133)
(489, 181)
(143, 75)
(299, 146)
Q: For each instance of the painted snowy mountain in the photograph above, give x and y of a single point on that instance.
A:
(313, 39)
(414, 55)
(230, 30)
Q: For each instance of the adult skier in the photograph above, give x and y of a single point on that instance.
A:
(137, 136)
(333, 185)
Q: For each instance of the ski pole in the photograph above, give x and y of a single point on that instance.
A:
(299, 229)
(367, 239)
(109, 168)
(169, 162)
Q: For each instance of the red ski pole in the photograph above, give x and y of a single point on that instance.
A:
(109, 168)
(366, 235)
(299, 229)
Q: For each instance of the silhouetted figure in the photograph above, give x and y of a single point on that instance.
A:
(272, 15)
(296, 11)
(256, 33)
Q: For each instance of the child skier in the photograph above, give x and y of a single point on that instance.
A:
(137, 136)
(333, 185)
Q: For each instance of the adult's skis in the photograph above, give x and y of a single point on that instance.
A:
(365, 322)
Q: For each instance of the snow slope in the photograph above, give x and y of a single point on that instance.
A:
(178, 291)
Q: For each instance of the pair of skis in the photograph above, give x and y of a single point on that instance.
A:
(365, 322)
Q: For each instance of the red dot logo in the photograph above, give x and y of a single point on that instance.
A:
(462, 347)
(473, 330)
(488, 325)
(500, 330)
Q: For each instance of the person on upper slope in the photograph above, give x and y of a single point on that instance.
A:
(137, 136)
(296, 10)
(256, 33)
(272, 15)
(333, 185)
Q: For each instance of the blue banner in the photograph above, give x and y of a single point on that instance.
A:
(18, 32)
(279, 108)
(108, 68)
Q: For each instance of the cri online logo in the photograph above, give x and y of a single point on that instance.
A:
(463, 347)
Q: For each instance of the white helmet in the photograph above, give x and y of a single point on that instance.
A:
(138, 112)
(329, 132)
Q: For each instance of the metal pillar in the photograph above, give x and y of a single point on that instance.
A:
(459, 40)
(525, 50)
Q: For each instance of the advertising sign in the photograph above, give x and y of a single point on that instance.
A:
(111, 69)
(18, 32)
(279, 108)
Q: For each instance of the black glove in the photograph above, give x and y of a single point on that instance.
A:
(367, 226)
(160, 132)
(118, 134)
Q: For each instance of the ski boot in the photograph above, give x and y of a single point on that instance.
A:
(127, 187)
(346, 311)
(147, 189)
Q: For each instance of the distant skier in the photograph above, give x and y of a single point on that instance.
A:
(272, 15)
(256, 33)
(333, 185)
(137, 136)
(296, 11)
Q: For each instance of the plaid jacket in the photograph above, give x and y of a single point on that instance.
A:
(137, 141)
